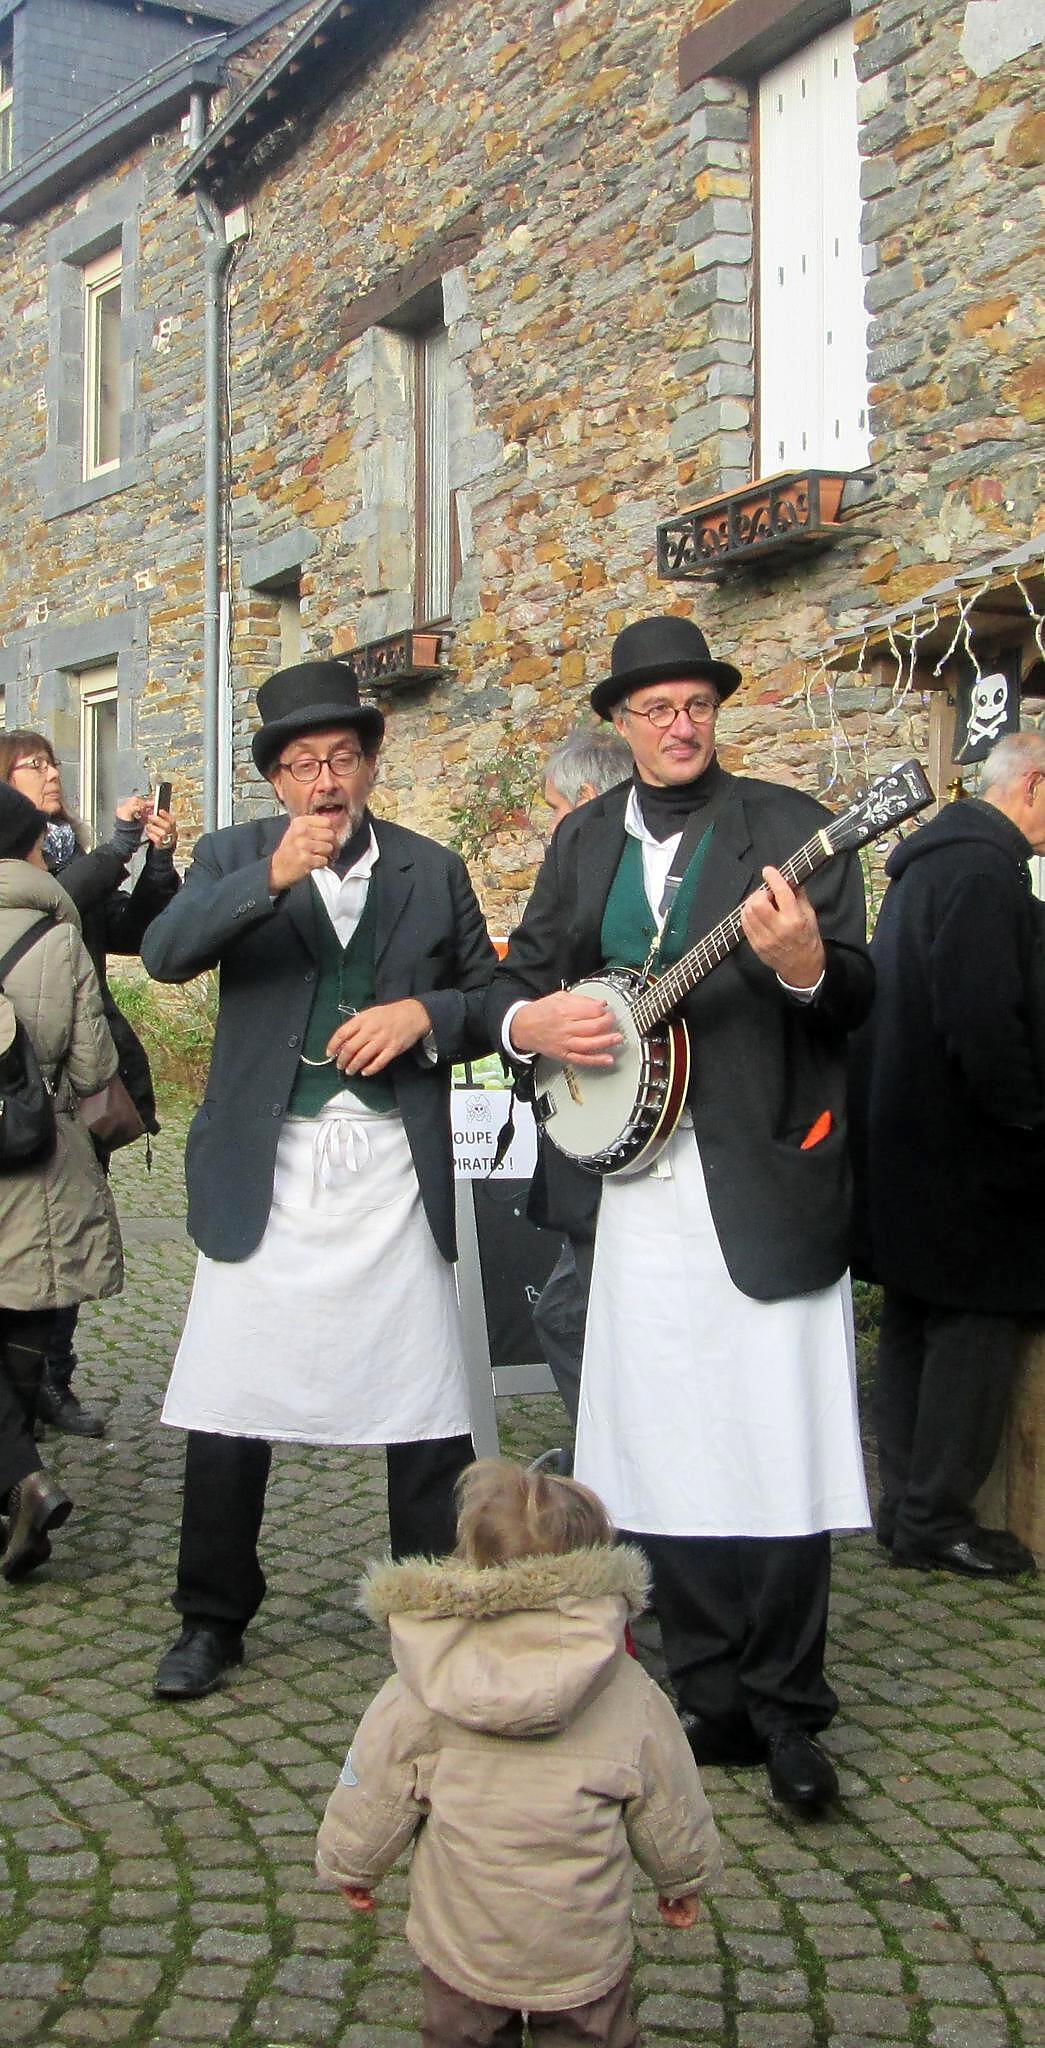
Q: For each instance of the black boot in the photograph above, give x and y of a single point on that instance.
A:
(61, 1409)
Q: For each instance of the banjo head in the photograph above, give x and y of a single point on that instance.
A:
(585, 1109)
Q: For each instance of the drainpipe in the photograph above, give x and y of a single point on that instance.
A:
(217, 253)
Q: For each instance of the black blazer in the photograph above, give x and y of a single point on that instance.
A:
(431, 943)
(765, 1067)
(948, 1095)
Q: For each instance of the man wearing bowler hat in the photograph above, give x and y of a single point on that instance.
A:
(718, 1404)
(354, 961)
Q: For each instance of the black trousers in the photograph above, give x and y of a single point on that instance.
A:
(24, 1336)
(941, 1396)
(61, 1351)
(220, 1581)
(743, 1620)
(559, 1316)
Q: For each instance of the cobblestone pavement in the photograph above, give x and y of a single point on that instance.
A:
(156, 1875)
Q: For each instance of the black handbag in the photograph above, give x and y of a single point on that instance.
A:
(28, 1132)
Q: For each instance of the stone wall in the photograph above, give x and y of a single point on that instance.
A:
(602, 353)
(110, 569)
(601, 378)
(116, 576)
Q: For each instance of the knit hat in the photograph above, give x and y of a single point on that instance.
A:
(21, 824)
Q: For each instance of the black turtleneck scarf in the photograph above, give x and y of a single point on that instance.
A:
(355, 845)
(664, 811)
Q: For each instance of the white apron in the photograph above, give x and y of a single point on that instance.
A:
(702, 1412)
(343, 1326)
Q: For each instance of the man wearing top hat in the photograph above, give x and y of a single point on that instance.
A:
(718, 1406)
(353, 960)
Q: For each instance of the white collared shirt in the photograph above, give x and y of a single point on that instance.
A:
(344, 896)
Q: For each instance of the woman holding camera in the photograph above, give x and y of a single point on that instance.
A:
(113, 920)
(59, 1237)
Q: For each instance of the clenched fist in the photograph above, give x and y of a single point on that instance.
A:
(310, 841)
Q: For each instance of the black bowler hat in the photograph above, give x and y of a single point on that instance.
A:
(657, 651)
(307, 698)
(20, 823)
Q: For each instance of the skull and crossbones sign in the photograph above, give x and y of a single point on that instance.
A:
(988, 708)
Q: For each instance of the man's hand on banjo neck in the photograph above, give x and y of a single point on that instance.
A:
(576, 1030)
(780, 926)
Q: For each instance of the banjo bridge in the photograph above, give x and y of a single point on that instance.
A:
(573, 1085)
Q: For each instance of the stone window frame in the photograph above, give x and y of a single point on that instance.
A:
(727, 55)
(746, 37)
(381, 327)
(55, 658)
(109, 223)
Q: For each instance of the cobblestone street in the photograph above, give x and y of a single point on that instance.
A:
(156, 1884)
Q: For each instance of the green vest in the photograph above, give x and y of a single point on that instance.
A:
(344, 982)
(628, 924)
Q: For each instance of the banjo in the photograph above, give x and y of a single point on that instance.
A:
(617, 1119)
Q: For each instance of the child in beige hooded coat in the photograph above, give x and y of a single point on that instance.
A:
(530, 1760)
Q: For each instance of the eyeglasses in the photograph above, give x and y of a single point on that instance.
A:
(39, 763)
(697, 709)
(343, 761)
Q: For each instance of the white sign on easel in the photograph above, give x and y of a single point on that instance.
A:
(478, 1116)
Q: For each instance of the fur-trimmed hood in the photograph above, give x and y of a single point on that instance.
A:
(515, 1649)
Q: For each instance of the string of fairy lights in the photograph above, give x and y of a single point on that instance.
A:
(909, 641)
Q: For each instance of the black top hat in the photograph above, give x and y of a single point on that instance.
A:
(657, 651)
(20, 823)
(307, 698)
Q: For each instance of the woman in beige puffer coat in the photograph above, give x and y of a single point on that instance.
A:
(59, 1236)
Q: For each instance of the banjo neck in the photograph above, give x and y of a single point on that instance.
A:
(666, 993)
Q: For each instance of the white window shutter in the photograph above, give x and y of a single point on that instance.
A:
(812, 327)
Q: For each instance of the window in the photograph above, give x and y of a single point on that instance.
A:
(812, 348)
(433, 499)
(7, 105)
(99, 792)
(291, 637)
(102, 286)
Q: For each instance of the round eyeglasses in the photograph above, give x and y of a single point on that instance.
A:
(697, 709)
(343, 761)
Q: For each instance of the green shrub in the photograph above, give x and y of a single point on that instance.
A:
(175, 1025)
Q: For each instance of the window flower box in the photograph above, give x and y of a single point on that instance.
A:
(774, 516)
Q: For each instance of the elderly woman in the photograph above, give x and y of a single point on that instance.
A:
(59, 1237)
(113, 920)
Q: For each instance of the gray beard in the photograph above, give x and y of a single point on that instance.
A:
(355, 819)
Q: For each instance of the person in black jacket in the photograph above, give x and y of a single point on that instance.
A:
(113, 919)
(354, 965)
(718, 1401)
(949, 1104)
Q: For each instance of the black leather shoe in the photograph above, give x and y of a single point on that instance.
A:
(800, 1772)
(970, 1558)
(196, 1664)
(61, 1409)
(722, 1742)
(1003, 1544)
(34, 1506)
